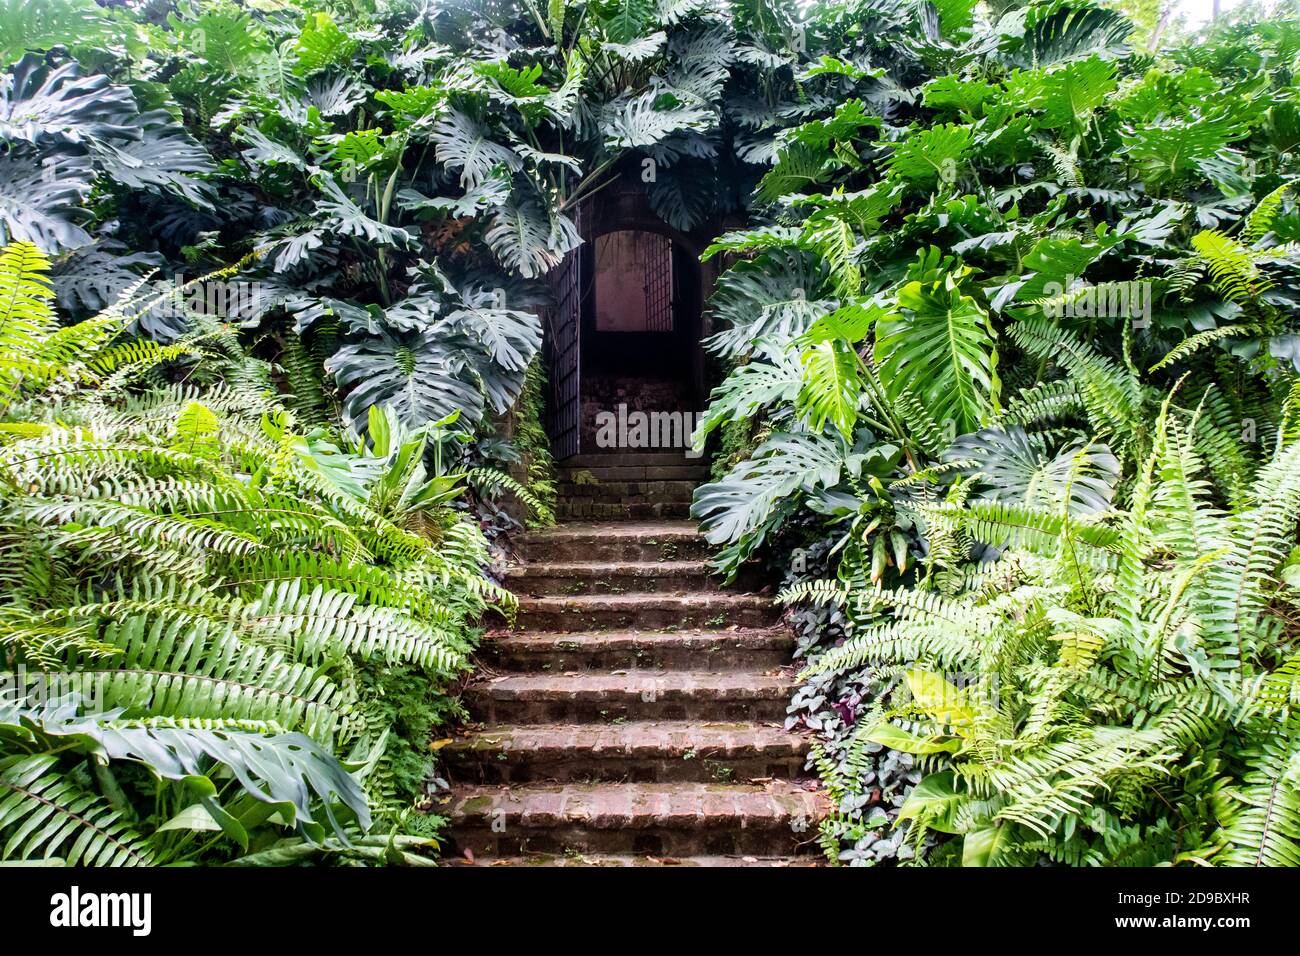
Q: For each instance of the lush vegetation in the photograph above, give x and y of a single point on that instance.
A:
(1018, 312)
(1010, 357)
(207, 605)
(272, 276)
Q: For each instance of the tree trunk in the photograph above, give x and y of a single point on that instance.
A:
(1154, 43)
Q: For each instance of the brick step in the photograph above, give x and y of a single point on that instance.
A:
(630, 695)
(594, 612)
(656, 819)
(583, 508)
(642, 752)
(623, 541)
(612, 577)
(749, 650)
(605, 859)
(627, 491)
(631, 459)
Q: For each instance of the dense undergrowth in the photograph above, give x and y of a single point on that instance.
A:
(1018, 314)
(1011, 352)
(294, 259)
(206, 604)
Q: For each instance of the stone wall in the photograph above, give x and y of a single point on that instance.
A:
(604, 393)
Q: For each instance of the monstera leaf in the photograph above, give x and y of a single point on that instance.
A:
(647, 119)
(492, 193)
(635, 51)
(466, 145)
(41, 202)
(291, 771)
(684, 193)
(938, 346)
(92, 278)
(775, 296)
(530, 238)
(322, 43)
(418, 375)
(264, 151)
(832, 389)
(423, 307)
(1067, 95)
(1064, 30)
(623, 21)
(776, 376)
(701, 62)
(1167, 150)
(510, 337)
(1015, 466)
(163, 159)
(42, 26)
(345, 217)
(931, 154)
(335, 96)
(48, 107)
(736, 510)
(799, 168)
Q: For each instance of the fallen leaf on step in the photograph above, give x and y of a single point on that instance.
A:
(439, 744)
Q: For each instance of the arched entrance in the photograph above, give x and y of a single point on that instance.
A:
(640, 332)
(624, 335)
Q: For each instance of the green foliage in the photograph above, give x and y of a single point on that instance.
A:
(1011, 346)
(1100, 700)
(530, 438)
(209, 585)
(1050, 457)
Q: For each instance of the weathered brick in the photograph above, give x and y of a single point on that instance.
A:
(660, 751)
(612, 577)
(643, 705)
(585, 612)
(615, 541)
(632, 695)
(678, 819)
(558, 651)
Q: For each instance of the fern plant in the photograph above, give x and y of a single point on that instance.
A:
(1104, 702)
(209, 584)
(972, 279)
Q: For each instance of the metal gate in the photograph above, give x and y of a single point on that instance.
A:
(563, 326)
(658, 252)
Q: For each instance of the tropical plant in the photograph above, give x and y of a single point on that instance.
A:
(971, 282)
(1008, 325)
(204, 587)
(1129, 685)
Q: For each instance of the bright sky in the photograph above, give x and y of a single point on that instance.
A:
(1198, 11)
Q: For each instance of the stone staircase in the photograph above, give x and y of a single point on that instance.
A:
(634, 715)
(628, 486)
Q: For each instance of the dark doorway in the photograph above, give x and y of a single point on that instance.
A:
(627, 317)
(640, 327)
